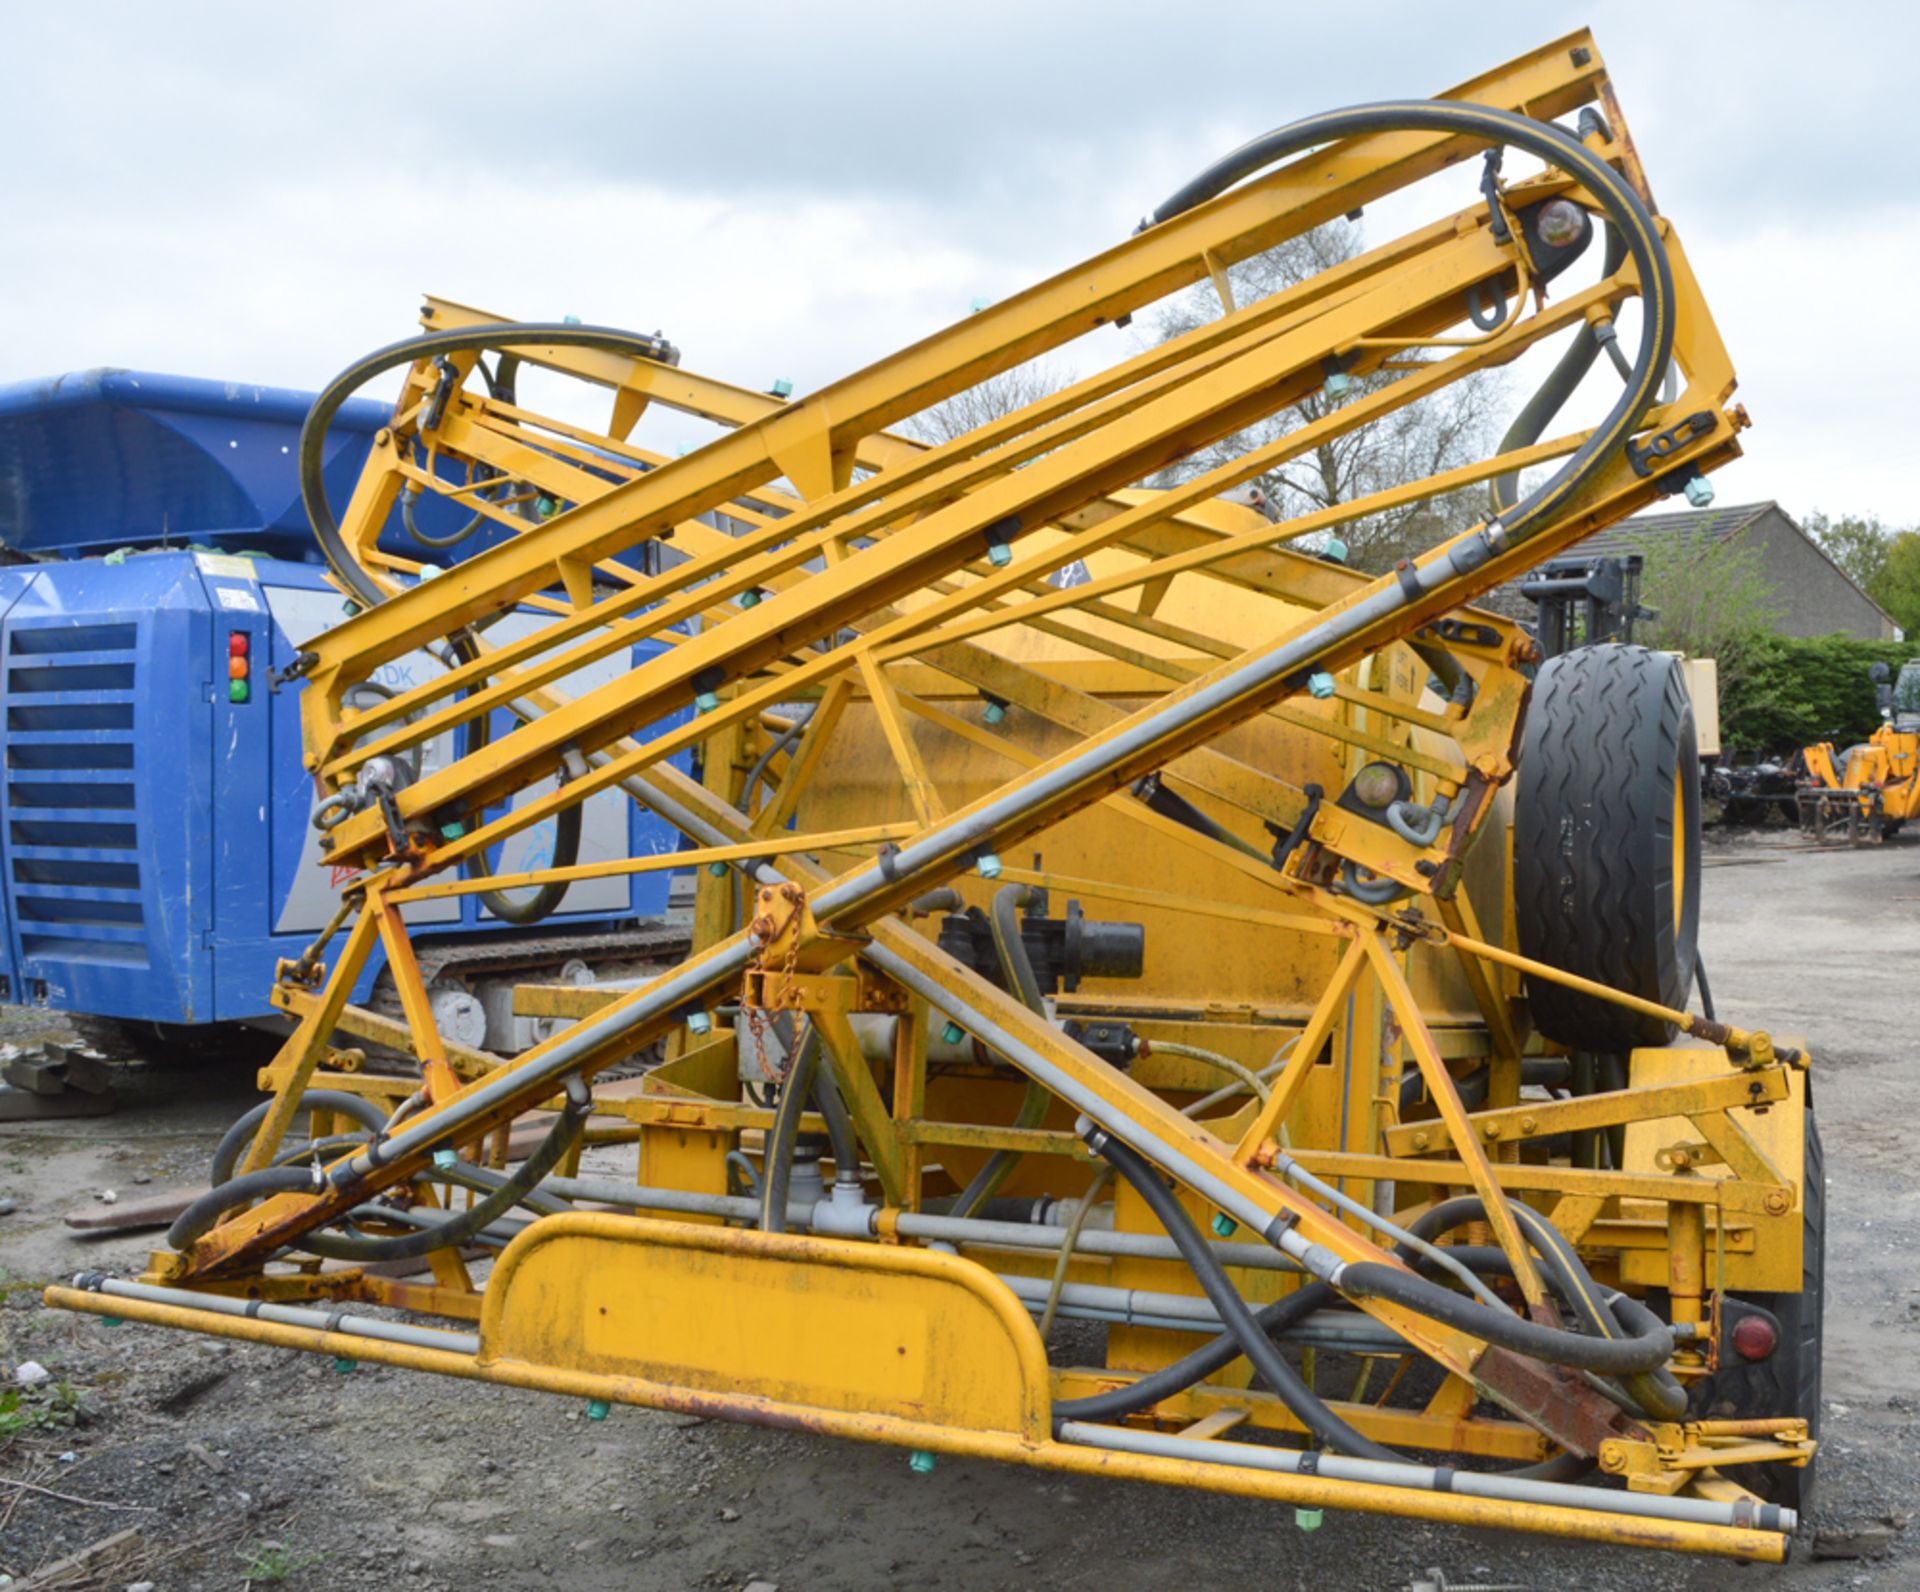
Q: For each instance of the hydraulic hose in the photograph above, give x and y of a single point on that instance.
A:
(782, 743)
(459, 1227)
(1567, 374)
(1261, 1350)
(1646, 1350)
(1017, 967)
(1218, 1352)
(796, 1089)
(840, 1134)
(1551, 1072)
(484, 1180)
(1056, 1285)
(1657, 1393)
(500, 386)
(1621, 208)
(567, 828)
(1248, 1079)
(518, 334)
(1192, 1369)
(361, 585)
(199, 1217)
(226, 1154)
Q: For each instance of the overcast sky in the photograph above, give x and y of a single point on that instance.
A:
(260, 193)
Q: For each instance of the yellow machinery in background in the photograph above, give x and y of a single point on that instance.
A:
(1870, 790)
(1134, 1025)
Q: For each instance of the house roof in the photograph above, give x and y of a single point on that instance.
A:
(1702, 525)
(1713, 525)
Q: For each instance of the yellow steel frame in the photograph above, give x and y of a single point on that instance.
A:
(826, 559)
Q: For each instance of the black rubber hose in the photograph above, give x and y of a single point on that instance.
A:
(1549, 1072)
(568, 825)
(518, 334)
(461, 1226)
(1157, 797)
(1117, 1404)
(1217, 1353)
(1017, 968)
(833, 1109)
(200, 1216)
(454, 537)
(1612, 194)
(1644, 1351)
(1009, 901)
(1706, 990)
(796, 1089)
(326, 528)
(1606, 1316)
(226, 1154)
(1584, 1148)
(501, 387)
(784, 742)
(1551, 395)
(1613, 1077)
(1658, 1392)
(1234, 1312)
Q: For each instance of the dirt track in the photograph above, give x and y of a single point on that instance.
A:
(248, 1457)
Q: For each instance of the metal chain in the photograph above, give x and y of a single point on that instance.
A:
(763, 931)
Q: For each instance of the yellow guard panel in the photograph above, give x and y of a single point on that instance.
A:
(819, 1323)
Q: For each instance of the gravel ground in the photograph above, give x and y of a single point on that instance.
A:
(242, 1465)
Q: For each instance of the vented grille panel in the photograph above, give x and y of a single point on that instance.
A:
(72, 831)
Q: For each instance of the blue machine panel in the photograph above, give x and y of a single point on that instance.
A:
(157, 855)
(156, 835)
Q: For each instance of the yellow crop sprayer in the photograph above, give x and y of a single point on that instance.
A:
(1114, 915)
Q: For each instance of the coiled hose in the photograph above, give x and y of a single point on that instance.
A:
(568, 826)
(1620, 207)
(514, 1189)
(226, 1154)
(369, 593)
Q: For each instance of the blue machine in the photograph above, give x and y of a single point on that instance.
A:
(156, 849)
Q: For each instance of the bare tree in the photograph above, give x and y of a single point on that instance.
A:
(1452, 427)
(986, 401)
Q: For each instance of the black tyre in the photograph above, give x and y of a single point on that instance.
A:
(1796, 1362)
(1606, 842)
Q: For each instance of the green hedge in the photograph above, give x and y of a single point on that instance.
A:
(1779, 693)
